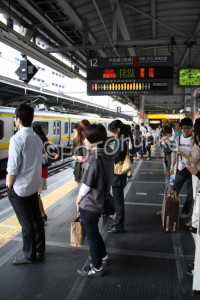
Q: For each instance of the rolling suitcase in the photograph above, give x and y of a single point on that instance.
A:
(170, 212)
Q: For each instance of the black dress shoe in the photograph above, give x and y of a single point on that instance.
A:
(116, 230)
(44, 217)
(40, 256)
(189, 273)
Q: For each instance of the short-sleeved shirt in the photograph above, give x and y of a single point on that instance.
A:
(25, 161)
(184, 146)
(98, 176)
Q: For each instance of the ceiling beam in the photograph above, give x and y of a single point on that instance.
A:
(153, 13)
(48, 25)
(104, 25)
(154, 19)
(69, 11)
(121, 44)
(188, 49)
(121, 21)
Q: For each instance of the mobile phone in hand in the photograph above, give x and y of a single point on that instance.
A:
(83, 158)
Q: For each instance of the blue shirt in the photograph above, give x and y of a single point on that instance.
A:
(25, 161)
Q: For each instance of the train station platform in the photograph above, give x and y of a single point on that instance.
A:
(145, 262)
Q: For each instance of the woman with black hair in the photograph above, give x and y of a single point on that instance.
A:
(43, 185)
(96, 179)
(119, 131)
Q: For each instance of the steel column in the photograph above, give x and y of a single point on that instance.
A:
(194, 104)
(141, 114)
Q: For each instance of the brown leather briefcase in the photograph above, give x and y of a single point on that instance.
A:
(170, 212)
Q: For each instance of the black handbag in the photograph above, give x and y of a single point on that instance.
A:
(109, 204)
(46, 161)
(184, 173)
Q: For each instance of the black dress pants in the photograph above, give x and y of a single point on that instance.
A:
(29, 217)
(189, 202)
(118, 195)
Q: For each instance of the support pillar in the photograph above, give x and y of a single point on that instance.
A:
(196, 279)
(194, 104)
(141, 114)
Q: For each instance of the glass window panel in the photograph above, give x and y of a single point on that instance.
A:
(1, 130)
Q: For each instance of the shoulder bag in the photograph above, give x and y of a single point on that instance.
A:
(123, 166)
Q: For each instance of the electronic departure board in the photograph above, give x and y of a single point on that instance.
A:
(130, 75)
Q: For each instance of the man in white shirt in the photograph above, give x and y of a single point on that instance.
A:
(183, 143)
(23, 181)
(143, 129)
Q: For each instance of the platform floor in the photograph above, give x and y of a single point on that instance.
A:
(145, 262)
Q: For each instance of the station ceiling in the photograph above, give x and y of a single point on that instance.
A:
(104, 28)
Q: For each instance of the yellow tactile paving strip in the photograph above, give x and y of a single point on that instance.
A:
(11, 227)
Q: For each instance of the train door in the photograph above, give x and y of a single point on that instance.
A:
(56, 132)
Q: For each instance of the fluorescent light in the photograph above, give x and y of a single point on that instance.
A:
(181, 110)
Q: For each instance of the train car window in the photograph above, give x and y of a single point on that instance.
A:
(72, 126)
(54, 128)
(58, 128)
(66, 128)
(44, 125)
(1, 130)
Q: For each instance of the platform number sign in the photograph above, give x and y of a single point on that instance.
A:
(130, 75)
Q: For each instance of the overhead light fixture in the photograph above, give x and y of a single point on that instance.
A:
(181, 110)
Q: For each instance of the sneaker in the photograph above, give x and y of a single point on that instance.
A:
(21, 259)
(105, 260)
(184, 216)
(91, 272)
(148, 158)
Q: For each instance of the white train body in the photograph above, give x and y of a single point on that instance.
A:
(58, 127)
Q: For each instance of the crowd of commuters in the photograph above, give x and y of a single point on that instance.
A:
(180, 149)
(94, 155)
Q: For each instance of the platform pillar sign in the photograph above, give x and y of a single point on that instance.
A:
(141, 115)
(193, 115)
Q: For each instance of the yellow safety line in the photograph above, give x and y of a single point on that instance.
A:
(11, 227)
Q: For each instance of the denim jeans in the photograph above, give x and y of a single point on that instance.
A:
(95, 241)
(29, 217)
(118, 195)
(178, 183)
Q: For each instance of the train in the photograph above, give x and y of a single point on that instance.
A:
(57, 126)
